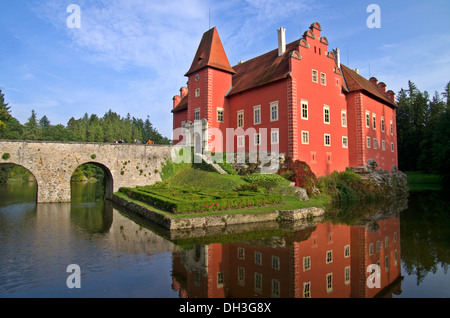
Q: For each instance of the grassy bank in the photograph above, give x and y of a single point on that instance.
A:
(419, 181)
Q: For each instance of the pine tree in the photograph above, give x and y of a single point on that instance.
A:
(31, 129)
(4, 111)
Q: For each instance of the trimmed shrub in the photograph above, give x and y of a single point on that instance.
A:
(6, 156)
(299, 172)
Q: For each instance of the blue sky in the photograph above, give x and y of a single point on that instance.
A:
(131, 56)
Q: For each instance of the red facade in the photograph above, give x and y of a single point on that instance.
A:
(298, 100)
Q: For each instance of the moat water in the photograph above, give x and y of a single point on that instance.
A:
(121, 255)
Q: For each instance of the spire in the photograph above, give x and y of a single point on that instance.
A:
(211, 53)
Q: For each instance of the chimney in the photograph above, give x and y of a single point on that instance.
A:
(176, 100)
(183, 92)
(391, 95)
(338, 58)
(382, 87)
(281, 41)
(356, 71)
(373, 80)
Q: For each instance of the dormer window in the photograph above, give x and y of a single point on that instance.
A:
(197, 77)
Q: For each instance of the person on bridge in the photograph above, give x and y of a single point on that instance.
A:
(149, 142)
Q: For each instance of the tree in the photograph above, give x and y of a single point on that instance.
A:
(31, 129)
(446, 94)
(4, 111)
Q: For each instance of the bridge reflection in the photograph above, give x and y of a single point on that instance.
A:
(326, 261)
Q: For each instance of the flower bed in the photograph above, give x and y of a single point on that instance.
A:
(191, 199)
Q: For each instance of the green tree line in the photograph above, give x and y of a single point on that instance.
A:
(423, 130)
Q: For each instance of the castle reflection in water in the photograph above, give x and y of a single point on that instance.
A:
(322, 261)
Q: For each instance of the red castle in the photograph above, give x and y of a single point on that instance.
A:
(314, 108)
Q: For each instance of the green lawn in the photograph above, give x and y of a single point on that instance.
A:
(419, 181)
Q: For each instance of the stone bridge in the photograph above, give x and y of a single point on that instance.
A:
(53, 163)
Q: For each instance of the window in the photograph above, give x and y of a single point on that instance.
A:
(386, 263)
(307, 290)
(258, 258)
(392, 127)
(197, 77)
(197, 278)
(183, 124)
(378, 246)
(306, 263)
(386, 241)
(240, 118)
(347, 251)
(395, 236)
(344, 142)
(305, 137)
(329, 283)
(323, 78)
(347, 275)
(383, 145)
(344, 118)
(241, 276)
(274, 111)
(241, 253)
(220, 115)
(275, 262)
(257, 115)
(258, 282)
(257, 140)
(327, 140)
(329, 256)
(367, 119)
(395, 257)
(304, 109)
(374, 121)
(274, 137)
(326, 114)
(392, 147)
(368, 142)
(371, 249)
(220, 279)
(275, 288)
(197, 114)
(241, 141)
(382, 124)
(314, 76)
(375, 143)
(197, 92)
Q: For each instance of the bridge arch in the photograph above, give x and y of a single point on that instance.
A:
(108, 177)
(13, 164)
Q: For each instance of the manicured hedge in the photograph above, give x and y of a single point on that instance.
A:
(180, 200)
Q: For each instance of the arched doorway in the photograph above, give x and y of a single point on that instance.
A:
(17, 184)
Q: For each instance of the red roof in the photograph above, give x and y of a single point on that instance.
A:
(182, 104)
(262, 70)
(211, 53)
(356, 82)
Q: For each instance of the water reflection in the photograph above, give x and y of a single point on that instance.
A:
(325, 261)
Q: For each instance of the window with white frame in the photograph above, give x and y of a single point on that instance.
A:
(197, 114)
(273, 111)
(220, 115)
(256, 139)
(306, 263)
(392, 147)
(374, 121)
(329, 279)
(323, 78)
(258, 282)
(274, 137)
(275, 288)
(329, 256)
(197, 92)
(371, 249)
(314, 76)
(386, 241)
(240, 118)
(347, 275)
(304, 109)
(383, 145)
(375, 143)
(392, 127)
(386, 263)
(327, 139)
(382, 124)
(275, 262)
(344, 142)
(326, 114)
(241, 276)
(367, 119)
(241, 253)
(305, 137)
(368, 142)
(258, 258)
(220, 279)
(343, 118)
(241, 141)
(307, 290)
(347, 251)
(257, 115)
